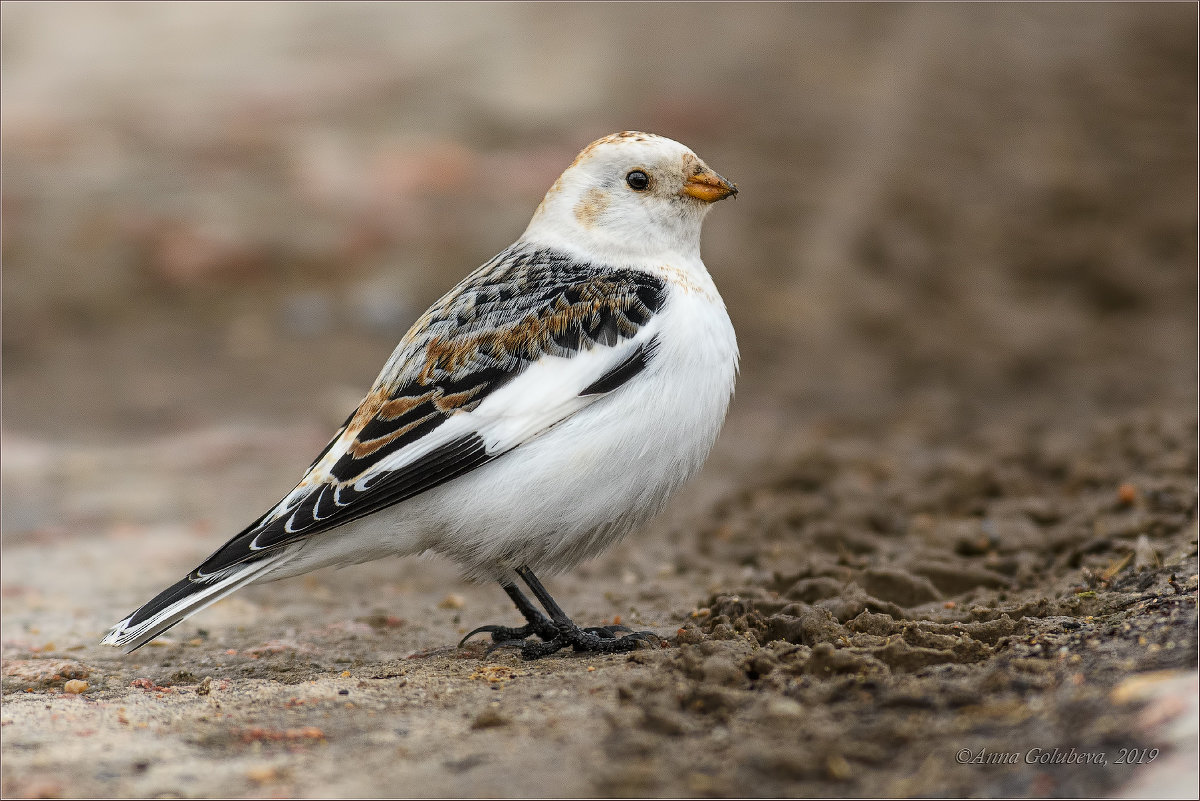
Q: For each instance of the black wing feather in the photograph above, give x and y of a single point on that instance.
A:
(452, 460)
(623, 372)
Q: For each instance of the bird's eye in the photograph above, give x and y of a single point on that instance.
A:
(638, 181)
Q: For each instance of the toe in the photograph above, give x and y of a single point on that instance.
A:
(537, 650)
(499, 633)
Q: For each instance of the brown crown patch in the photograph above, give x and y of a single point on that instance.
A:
(623, 136)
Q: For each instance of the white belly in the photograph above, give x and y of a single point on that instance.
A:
(578, 487)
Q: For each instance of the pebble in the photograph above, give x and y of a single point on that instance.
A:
(784, 707)
(43, 672)
(490, 718)
(263, 774)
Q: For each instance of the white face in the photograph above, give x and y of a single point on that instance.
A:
(630, 194)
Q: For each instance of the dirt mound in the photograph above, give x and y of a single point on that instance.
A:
(956, 610)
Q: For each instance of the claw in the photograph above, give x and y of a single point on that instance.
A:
(506, 633)
(600, 631)
(608, 632)
(619, 644)
(506, 644)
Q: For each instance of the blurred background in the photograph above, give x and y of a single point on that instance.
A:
(219, 218)
(962, 268)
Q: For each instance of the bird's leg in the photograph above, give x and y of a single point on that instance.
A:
(537, 623)
(596, 640)
(556, 612)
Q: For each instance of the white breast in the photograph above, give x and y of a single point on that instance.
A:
(578, 487)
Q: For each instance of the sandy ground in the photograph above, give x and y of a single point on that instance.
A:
(946, 544)
(853, 623)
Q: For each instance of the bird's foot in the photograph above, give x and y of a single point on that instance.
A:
(556, 631)
(592, 640)
(509, 634)
(540, 626)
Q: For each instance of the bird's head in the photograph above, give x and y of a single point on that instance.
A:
(629, 195)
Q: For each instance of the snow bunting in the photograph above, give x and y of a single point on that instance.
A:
(545, 407)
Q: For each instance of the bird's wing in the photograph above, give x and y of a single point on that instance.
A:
(524, 342)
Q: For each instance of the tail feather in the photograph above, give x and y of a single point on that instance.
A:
(184, 599)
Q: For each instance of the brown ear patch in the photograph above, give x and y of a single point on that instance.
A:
(589, 208)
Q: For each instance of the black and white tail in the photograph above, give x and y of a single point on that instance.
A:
(185, 598)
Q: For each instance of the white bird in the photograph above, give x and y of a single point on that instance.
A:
(546, 406)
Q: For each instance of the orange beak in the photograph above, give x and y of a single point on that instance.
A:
(706, 185)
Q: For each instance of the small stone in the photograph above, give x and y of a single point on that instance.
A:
(661, 720)
(721, 670)
(899, 587)
(42, 787)
(839, 769)
(42, 673)
(75, 686)
(452, 601)
(263, 774)
(783, 707)
(1144, 555)
(490, 718)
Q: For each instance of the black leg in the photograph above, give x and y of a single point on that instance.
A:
(596, 640)
(540, 592)
(557, 631)
(536, 622)
(532, 614)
